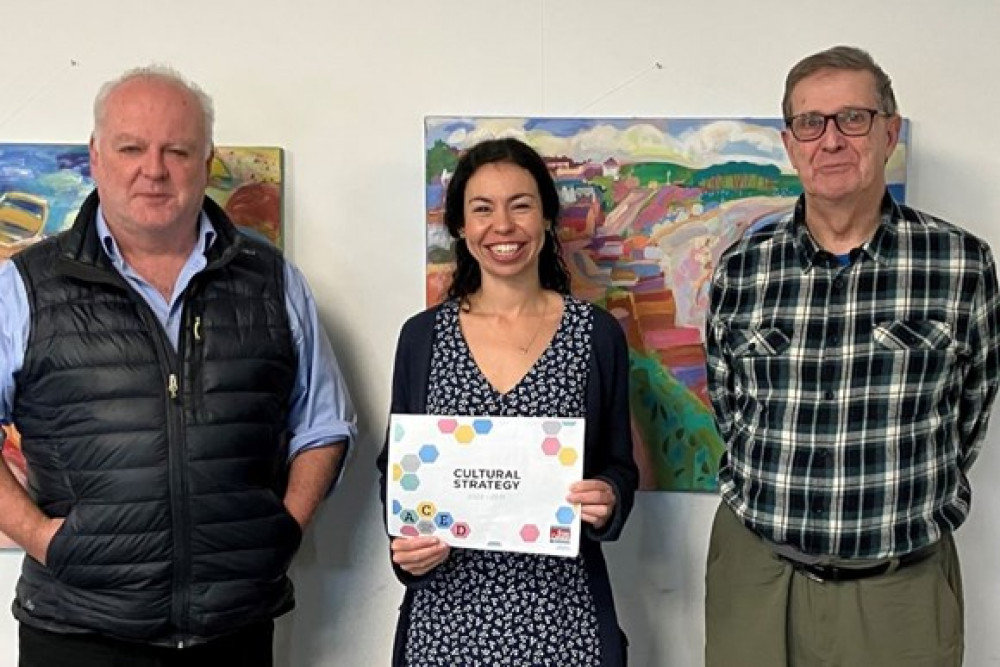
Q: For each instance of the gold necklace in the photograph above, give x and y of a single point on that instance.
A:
(538, 329)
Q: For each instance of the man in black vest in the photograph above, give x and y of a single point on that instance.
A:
(180, 409)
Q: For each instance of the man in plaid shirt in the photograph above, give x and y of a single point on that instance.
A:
(852, 363)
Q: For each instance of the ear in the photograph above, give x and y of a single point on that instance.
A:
(893, 128)
(787, 139)
(92, 149)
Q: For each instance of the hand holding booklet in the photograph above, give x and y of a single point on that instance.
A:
(497, 483)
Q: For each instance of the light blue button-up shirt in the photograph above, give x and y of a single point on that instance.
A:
(320, 410)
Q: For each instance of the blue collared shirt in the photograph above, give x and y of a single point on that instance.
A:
(320, 407)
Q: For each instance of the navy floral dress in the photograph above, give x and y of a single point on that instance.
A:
(500, 608)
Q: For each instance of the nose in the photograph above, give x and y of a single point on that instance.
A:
(832, 138)
(153, 165)
(503, 221)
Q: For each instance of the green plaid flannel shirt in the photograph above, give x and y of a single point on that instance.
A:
(853, 399)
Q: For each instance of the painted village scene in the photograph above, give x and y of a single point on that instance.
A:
(649, 205)
(42, 187)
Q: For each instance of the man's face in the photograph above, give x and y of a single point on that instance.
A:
(835, 167)
(150, 159)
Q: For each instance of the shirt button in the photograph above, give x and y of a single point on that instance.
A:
(838, 283)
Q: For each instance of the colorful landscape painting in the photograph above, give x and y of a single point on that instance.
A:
(42, 186)
(649, 205)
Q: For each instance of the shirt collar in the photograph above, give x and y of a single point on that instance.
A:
(205, 232)
(880, 247)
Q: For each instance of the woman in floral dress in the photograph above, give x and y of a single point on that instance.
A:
(511, 341)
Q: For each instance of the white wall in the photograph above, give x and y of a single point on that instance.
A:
(343, 87)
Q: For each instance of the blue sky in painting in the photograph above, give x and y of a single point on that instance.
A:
(58, 172)
(678, 135)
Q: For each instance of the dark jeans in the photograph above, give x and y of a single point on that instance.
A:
(251, 647)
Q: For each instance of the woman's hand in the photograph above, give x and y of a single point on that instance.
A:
(596, 499)
(418, 555)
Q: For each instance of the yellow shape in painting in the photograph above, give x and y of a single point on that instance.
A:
(397, 472)
(426, 510)
(464, 434)
(567, 456)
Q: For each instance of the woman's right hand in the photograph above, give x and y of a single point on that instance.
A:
(418, 555)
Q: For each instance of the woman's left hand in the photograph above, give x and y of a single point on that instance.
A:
(596, 499)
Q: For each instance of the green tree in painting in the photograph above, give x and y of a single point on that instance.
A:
(440, 156)
(678, 430)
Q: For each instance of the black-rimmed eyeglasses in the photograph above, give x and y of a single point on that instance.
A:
(850, 121)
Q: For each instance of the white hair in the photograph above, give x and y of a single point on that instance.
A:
(163, 73)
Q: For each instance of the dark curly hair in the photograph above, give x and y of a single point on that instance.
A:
(467, 277)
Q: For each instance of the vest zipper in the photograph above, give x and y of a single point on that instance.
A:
(179, 490)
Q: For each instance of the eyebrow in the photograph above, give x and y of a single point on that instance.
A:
(511, 198)
(127, 138)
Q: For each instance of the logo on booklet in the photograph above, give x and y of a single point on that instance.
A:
(559, 535)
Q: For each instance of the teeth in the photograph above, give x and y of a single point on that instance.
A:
(505, 248)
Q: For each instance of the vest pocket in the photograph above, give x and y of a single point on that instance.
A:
(59, 546)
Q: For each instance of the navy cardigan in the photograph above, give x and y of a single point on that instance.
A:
(607, 456)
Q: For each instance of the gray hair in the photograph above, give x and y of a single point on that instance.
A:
(843, 58)
(165, 74)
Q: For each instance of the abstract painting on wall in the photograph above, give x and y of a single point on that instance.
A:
(42, 186)
(648, 206)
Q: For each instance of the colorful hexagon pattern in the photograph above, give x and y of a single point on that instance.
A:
(426, 510)
(482, 426)
(550, 446)
(460, 529)
(425, 527)
(529, 532)
(409, 482)
(444, 519)
(567, 456)
(428, 453)
(551, 427)
(410, 462)
(565, 515)
(447, 426)
(397, 507)
(409, 531)
(397, 472)
(464, 434)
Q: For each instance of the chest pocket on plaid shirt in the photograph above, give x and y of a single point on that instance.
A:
(923, 349)
(757, 356)
(757, 342)
(913, 335)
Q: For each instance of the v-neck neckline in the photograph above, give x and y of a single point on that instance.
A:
(531, 369)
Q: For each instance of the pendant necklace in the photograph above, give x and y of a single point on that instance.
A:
(527, 346)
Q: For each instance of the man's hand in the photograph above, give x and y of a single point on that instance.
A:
(418, 555)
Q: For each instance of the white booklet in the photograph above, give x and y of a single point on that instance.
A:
(497, 483)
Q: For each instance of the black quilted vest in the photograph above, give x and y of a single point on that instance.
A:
(168, 466)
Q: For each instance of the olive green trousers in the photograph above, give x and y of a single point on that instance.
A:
(761, 612)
